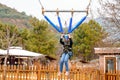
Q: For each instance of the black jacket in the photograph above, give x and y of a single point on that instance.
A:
(69, 46)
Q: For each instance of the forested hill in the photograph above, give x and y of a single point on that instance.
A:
(12, 16)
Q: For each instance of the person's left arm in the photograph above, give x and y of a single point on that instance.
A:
(71, 42)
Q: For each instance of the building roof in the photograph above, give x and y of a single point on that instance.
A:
(107, 50)
(2, 52)
(18, 51)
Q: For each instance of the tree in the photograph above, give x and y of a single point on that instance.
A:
(111, 9)
(8, 37)
(110, 12)
(42, 39)
(86, 37)
(25, 35)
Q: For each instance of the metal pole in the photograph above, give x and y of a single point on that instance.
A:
(65, 11)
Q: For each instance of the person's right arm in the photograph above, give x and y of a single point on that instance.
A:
(61, 39)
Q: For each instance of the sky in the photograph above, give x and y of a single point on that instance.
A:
(33, 7)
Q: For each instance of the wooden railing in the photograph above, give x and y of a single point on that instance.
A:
(50, 72)
(112, 75)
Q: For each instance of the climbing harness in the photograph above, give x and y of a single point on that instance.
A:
(70, 27)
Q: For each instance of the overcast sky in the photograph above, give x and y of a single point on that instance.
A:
(32, 7)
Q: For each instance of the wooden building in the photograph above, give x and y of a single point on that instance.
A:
(109, 59)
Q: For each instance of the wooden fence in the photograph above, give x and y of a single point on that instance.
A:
(112, 75)
(50, 73)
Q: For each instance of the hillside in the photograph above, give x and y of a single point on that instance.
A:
(20, 19)
(12, 16)
(111, 29)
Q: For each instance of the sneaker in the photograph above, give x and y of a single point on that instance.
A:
(59, 74)
(67, 73)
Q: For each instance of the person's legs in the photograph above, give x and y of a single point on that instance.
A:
(66, 62)
(70, 54)
(62, 61)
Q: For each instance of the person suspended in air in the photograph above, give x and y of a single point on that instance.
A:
(65, 39)
(67, 43)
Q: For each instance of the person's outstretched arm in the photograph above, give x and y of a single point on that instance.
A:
(61, 39)
(71, 42)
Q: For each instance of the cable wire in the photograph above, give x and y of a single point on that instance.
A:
(41, 4)
(88, 6)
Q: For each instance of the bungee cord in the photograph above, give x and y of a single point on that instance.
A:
(70, 27)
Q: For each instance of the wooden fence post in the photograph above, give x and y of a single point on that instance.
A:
(38, 75)
(17, 71)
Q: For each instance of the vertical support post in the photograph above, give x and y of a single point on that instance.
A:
(38, 75)
(17, 72)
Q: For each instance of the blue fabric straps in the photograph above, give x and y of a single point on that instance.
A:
(70, 28)
(55, 26)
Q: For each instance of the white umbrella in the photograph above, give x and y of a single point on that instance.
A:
(2, 52)
(18, 51)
